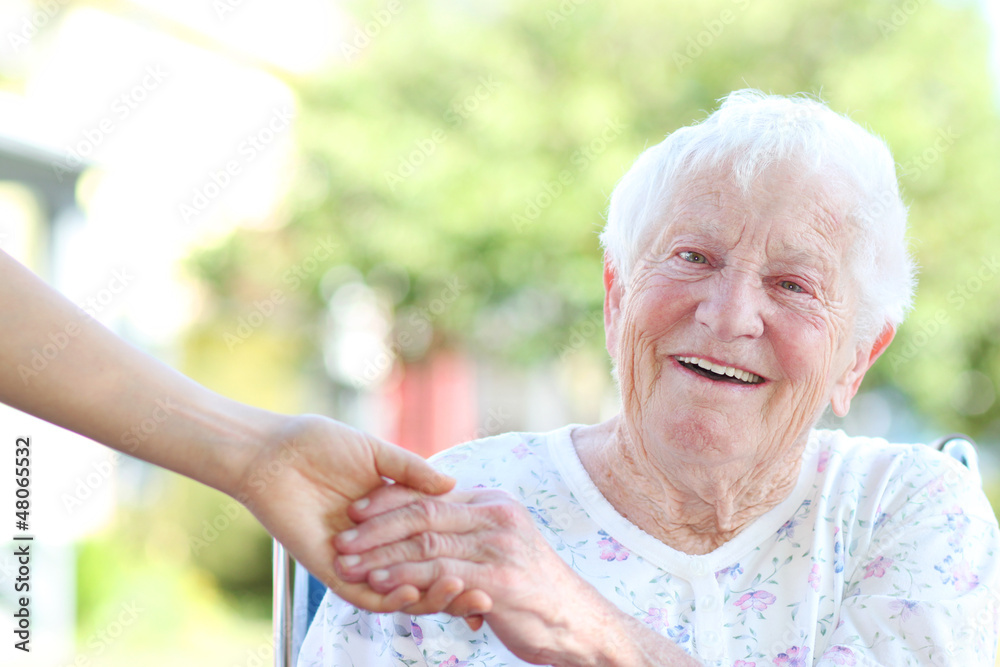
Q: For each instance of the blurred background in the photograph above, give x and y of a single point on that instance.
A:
(387, 212)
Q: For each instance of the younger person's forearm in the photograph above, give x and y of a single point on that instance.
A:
(62, 366)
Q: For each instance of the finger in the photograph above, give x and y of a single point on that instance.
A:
(422, 575)
(471, 603)
(393, 496)
(409, 469)
(362, 595)
(421, 547)
(474, 622)
(400, 598)
(426, 514)
(382, 500)
(438, 597)
(467, 603)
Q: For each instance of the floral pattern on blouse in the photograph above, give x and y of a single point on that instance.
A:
(882, 555)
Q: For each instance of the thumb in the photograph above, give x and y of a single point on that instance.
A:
(405, 467)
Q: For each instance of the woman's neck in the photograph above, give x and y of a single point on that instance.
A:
(693, 508)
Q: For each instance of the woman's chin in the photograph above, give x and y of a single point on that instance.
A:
(703, 437)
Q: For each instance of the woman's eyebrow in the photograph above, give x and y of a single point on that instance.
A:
(696, 222)
(689, 222)
(797, 256)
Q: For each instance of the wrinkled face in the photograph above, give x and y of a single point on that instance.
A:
(736, 327)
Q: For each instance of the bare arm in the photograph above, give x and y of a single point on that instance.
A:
(62, 366)
(296, 474)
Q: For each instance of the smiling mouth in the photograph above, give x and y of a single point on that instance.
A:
(719, 373)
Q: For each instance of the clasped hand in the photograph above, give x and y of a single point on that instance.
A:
(473, 553)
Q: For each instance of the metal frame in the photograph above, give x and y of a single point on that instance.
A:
(282, 603)
(960, 447)
(297, 596)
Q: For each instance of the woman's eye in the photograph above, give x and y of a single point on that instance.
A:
(694, 257)
(790, 286)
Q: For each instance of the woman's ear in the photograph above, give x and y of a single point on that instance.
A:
(612, 306)
(847, 385)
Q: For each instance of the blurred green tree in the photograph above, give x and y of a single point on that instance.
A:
(470, 149)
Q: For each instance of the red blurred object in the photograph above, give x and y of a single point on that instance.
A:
(435, 402)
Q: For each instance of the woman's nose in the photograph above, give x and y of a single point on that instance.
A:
(731, 306)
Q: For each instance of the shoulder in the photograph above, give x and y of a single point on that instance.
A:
(879, 458)
(887, 474)
(500, 458)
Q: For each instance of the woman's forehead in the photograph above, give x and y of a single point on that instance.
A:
(781, 194)
(798, 220)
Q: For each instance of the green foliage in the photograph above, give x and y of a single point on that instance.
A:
(226, 542)
(481, 142)
(198, 546)
(140, 601)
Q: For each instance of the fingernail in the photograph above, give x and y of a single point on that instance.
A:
(380, 575)
(348, 535)
(361, 504)
(350, 560)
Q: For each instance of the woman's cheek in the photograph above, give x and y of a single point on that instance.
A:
(799, 339)
(805, 351)
(664, 305)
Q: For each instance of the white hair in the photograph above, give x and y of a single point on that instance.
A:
(752, 131)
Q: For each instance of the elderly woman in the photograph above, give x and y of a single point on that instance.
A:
(755, 269)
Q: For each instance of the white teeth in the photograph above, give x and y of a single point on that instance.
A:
(745, 376)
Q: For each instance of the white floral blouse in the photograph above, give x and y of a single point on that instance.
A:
(882, 555)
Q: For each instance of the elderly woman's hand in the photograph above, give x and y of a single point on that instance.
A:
(486, 542)
(307, 471)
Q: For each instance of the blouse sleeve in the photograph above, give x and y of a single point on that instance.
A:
(925, 592)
